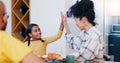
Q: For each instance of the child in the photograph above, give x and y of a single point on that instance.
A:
(36, 42)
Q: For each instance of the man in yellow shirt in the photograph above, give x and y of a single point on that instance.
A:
(11, 49)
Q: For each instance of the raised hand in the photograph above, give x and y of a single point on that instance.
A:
(64, 21)
(61, 25)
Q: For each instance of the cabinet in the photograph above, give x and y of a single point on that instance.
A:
(114, 39)
(114, 46)
(20, 18)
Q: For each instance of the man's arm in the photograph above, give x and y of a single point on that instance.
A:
(32, 58)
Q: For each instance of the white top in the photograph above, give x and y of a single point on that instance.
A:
(89, 45)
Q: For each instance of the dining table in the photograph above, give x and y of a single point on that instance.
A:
(111, 62)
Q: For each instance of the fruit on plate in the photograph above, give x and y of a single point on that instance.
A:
(54, 56)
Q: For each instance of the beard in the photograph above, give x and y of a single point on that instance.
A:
(4, 27)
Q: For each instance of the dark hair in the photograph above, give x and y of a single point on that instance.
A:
(28, 30)
(84, 8)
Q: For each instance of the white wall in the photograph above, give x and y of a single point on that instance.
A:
(46, 13)
(99, 11)
(8, 11)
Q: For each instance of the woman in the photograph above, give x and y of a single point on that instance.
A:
(36, 42)
(89, 43)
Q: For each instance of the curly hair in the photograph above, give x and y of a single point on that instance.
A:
(84, 8)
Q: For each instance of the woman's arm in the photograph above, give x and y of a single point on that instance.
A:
(61, 26)
(64, 20)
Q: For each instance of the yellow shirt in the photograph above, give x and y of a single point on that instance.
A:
(40, 47)
(11, 49)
